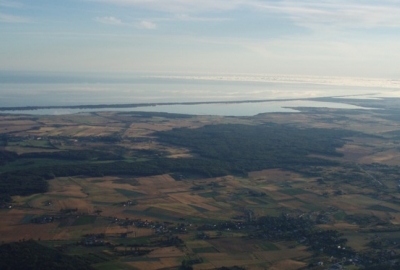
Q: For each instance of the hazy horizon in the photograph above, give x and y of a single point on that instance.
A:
(21, 89)
(291, 38)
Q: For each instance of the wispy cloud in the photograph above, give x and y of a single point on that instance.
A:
(7, 18)
(139, 24)
(186, 17)
(109, 20)
(10, 4)
(179, 5)
(309, 13)
(146, 25)
(336, 13)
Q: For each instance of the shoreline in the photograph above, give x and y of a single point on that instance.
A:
(136, 105)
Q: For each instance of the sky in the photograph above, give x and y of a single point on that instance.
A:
(351, 38)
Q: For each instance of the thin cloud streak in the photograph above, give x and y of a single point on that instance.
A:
(338, 15)
(179, 5)
(186, 17)
(7, 18)
(108, 20)
(306, 13)
(146, 25)
(10, 4)
(140, 24)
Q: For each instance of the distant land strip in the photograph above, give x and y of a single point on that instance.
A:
(136, 105)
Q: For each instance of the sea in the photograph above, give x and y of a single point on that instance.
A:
(275, 93)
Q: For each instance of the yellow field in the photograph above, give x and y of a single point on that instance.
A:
(16, 127)
(163, 263)
(273, 176)
(11, 228)
(76, 131)
(65, 187)
(288, 265)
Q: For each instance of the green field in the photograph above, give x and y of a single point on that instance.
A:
(293, 191)
(84, 220)
(382, 208)
(129, 193)
(200, 209)
(210, 194)
(205, 250)
(268, 246)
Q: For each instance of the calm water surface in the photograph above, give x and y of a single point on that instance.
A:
(151, 90)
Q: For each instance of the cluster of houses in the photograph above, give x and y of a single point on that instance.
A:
(303, 231)
(45, 219)
(300, 228)
(127, 203)
(93, 240)
(159, 227)
(5, 206)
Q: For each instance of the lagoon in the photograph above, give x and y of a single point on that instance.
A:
(21, 92)
(221, 109)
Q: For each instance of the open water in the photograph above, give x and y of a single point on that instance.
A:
(62, 91)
